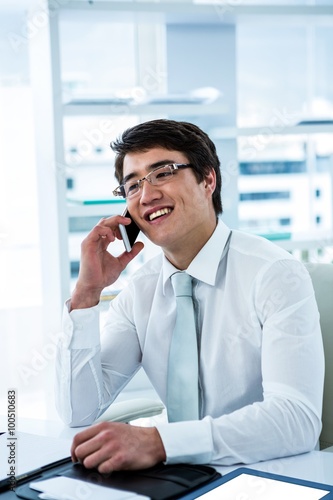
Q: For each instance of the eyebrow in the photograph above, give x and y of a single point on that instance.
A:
(149, 168)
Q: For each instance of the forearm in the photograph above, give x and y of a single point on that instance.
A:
(264, 430)
(89, 377)
(78, 399)
(78, 369)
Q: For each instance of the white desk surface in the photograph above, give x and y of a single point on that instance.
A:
(315, 466)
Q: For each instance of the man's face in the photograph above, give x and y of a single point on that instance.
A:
(177, 215)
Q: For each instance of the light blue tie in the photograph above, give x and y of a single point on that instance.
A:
(182, 394)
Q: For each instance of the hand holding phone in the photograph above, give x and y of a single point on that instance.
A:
(129, 233)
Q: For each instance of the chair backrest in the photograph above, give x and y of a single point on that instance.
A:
(322, 279)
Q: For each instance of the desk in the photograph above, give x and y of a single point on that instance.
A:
(316, 466)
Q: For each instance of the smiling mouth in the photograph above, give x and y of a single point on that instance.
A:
(159, 213)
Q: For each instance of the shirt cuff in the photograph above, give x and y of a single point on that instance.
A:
(187, 442)
(81, 327)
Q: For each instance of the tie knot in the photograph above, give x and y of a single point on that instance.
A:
(182, 284)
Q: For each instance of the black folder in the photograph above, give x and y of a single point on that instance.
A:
(162, 482)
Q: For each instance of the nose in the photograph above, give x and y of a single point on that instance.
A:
(149, 192)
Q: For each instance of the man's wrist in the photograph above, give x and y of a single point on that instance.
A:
(159, 449)
(83, 298)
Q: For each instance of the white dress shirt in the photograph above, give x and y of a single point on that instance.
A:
(260, 348)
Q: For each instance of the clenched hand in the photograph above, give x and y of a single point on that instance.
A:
(111, 446)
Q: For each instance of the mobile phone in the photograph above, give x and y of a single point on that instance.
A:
(129, 233)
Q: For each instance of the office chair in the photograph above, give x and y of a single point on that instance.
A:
(322, 279)
(132, 409)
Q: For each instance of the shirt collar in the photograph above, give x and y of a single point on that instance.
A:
(205, 264)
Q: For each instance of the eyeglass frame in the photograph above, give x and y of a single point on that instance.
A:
(120, 190)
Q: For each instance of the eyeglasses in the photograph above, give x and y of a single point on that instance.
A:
(156, 177)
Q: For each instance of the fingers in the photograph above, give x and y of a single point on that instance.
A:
(110, 446)
(101, 447)
(108, 229)
(82, 437)
(113, 221)
(105, 232)
(126, 257)
(95, 451)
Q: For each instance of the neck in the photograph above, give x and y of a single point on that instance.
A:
(184, 251)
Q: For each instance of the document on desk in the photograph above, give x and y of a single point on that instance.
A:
(262, 488)
(74, 489)
(26, 452)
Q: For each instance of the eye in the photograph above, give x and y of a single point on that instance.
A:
(163, 173)
(132, 187)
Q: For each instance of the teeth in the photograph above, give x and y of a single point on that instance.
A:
(163, 211)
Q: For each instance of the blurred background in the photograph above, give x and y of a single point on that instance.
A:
(256, 76)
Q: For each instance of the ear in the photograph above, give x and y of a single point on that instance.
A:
(210, 182)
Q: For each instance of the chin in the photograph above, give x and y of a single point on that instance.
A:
(160, 240)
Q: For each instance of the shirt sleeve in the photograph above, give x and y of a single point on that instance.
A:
(288, 419)
(89, 378)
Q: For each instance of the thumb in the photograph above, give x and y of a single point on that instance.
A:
(126, 257)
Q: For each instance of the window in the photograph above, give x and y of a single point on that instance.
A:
(23, 365)
(277, 195)
(284, 75)
(272, 167)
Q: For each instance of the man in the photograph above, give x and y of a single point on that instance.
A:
(260, 373)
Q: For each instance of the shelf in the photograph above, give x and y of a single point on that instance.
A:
(213, 109)
(305, 241)
(276, 236)
(104, 208)
(233, 132)
(190, 7)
